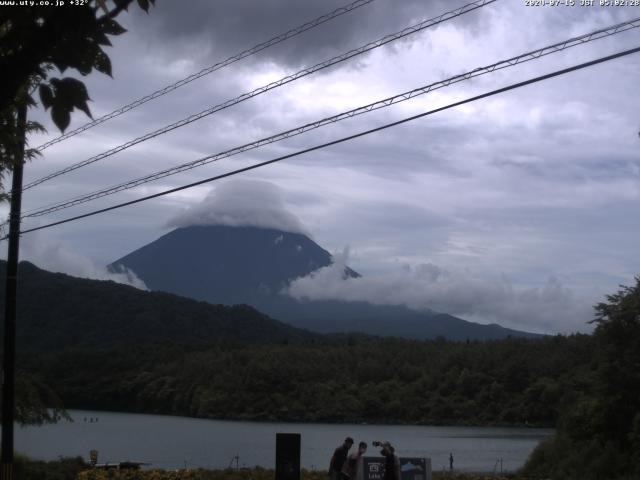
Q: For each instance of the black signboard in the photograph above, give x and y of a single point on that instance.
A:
(373, 468)
(411, 468)
(287, 456)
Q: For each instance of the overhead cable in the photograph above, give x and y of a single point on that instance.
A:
(217, 66)
(278, 83)
(525, 57)
(341, 140)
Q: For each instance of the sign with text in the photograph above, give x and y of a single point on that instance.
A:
(411, 468)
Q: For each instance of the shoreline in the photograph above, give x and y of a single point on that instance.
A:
(211, 443)
(307, 422)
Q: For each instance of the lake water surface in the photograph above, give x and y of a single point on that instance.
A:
(176, 442)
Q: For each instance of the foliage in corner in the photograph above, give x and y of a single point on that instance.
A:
(36, 402)
(599, 435)
(64, 468)
(34, 41)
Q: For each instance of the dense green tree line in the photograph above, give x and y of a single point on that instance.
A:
(598, 434)
(56, 312)
(62, 469)
(506, 382)
(588, 386)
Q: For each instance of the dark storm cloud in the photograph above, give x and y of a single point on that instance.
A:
(225, 27)
(208, 31)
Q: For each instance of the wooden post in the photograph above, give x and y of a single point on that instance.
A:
(9, 359)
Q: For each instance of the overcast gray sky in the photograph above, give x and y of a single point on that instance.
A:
(519, 209)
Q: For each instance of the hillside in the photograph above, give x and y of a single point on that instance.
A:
(251, 265)
(103, 345)
(57, 311)
(227, 265)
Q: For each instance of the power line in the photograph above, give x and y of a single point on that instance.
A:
(351, 113)
(555, 48)
(278, 83)
(343, 139)
(217, 66)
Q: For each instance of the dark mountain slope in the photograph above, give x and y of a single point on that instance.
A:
(225, 264)
(56, 311)
(388, 320)
(231, 265)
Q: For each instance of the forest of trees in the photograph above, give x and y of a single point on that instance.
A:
(213, 364)
(598, 434)
(505, 382)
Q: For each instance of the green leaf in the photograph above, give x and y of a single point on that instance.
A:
(46, 96)
(61, 65)
(72, 91)
(144, 5)
(61, 116)
(35, 127)
(82, 59)
(111, 27)
(124, 3)
(31, 153)
(69, 93)
(67, 55)
(30, 101)
(85, 108)
(84, 66)
(77, 94)
(102, 39)
(102, 63)
(77, 88)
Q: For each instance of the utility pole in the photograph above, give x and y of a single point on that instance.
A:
(9, 359)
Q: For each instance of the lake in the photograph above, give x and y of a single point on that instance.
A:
(175, 442)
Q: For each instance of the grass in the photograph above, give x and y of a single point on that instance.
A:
(76, 469)
(246, 474)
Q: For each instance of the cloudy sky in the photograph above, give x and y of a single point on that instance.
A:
(520, 209)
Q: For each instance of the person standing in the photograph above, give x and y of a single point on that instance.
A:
(352, 468)
(451, 462)
(392, 470)
(339, 458)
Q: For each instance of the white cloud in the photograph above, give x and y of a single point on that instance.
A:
(537, 183)
(238, 203)
(55, 256)
(549, 308)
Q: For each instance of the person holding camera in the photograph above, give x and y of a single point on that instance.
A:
(392, 470)
(352, 468)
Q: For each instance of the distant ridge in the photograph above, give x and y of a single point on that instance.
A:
(252, 265)
(57, 311)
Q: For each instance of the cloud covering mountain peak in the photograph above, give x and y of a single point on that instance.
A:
(242, 203)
